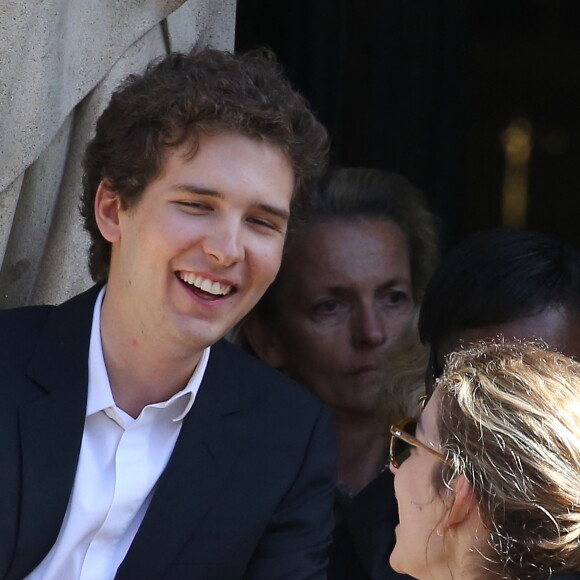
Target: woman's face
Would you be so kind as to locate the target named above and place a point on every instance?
(419, 550)
(345, 297)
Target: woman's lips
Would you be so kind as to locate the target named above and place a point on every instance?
(365, 370)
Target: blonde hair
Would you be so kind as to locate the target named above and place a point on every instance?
(351, 193)
(510, 422)
(404, 390)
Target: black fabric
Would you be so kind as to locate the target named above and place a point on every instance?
(365, 538)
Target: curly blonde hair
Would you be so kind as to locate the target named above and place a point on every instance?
(510, 423)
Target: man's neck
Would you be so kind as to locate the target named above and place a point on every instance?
(142, 371)
(136, 386)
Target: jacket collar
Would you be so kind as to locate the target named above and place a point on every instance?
(200, 466)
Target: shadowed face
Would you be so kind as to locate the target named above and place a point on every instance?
(345, 297)
(555, 326)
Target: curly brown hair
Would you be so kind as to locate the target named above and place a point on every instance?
(178, 98)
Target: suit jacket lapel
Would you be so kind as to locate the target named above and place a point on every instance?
(199, 466)
(51, 428)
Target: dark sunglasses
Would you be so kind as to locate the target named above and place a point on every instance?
(403, 438)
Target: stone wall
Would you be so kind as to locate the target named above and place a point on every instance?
(59, 62)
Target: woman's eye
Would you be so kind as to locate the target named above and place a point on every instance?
(396, 297)
(327, 306)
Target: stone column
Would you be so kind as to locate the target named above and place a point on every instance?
(59, 62)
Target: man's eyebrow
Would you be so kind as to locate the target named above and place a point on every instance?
(198, 190)
(276, 211)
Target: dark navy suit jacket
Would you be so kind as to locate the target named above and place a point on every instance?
(248, 490)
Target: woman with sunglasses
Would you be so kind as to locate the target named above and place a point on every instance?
(488, 479)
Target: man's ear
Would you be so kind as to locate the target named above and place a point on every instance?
(464, 504)
(107, 208)
(263, 340)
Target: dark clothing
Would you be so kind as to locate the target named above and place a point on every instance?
(247, 492)
(363, 541)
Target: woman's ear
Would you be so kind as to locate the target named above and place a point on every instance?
(463, 505)
(107, 208)
(263, 340)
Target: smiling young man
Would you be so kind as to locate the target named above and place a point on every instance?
(136, 442)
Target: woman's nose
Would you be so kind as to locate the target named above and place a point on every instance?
(369, 328)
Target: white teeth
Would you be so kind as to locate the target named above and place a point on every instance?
(204, 284)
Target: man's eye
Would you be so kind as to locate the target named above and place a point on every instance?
(267, 226)
(264, 223)
(194, 205)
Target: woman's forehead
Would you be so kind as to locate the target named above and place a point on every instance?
(341, 251)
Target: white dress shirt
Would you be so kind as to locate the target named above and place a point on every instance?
(120, 461)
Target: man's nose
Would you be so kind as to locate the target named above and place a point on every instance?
(369, 327)
(224, 243)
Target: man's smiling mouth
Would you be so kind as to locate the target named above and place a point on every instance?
(207, 286)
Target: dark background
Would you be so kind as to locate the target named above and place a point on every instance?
(427, 87)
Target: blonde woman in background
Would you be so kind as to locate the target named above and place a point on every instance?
(354, 270)
(488, 479)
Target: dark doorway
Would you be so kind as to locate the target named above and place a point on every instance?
(473, 101)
